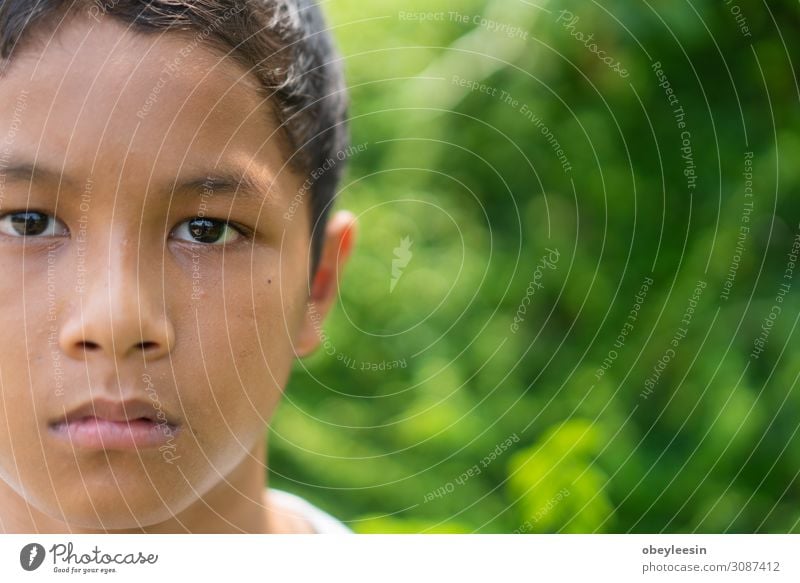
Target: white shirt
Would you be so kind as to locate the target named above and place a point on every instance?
(320, 521)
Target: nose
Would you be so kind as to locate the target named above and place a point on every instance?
(118, 310)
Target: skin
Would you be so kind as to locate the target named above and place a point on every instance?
(108, 298)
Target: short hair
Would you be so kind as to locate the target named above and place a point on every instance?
(284, 43)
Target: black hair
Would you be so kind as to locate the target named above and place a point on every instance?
(285, 43)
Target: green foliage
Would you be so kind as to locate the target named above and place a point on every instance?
(557, 483)
(422, 376)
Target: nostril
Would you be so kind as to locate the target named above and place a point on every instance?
(89, 346)
(84, 345)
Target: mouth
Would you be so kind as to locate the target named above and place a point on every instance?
(115, 425)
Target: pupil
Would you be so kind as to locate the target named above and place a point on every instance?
(205, 231)
(29, 224)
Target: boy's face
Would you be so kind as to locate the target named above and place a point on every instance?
(119, 294)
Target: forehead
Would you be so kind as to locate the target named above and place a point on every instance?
(96, 98)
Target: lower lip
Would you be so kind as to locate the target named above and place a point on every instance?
(94, 433)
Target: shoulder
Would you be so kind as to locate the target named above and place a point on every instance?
(320, 521)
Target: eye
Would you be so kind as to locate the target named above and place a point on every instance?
(32, 224)
(207, 231)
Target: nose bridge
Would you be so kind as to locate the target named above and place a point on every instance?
(119, 309)
(128, 292)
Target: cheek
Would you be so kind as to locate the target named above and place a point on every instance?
(21, 455)
(236, 350)
(33, 372)
(31, 364)
(29, 380)
(260, 340)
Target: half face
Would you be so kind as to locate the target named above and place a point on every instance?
(151, 290)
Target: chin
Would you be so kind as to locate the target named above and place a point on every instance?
(117, 516)
(122, 499)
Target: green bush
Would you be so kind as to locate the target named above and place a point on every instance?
(707, 442)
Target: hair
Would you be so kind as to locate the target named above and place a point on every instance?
(284, 43)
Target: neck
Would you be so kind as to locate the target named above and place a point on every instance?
(237, 504)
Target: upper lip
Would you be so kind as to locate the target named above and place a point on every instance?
(128, 410)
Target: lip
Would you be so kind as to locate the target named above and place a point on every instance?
(115, 425)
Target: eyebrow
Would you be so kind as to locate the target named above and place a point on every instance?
(26, 171)
(227, 182)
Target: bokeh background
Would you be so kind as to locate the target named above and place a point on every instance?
(514, 162)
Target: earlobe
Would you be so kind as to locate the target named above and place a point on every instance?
(336, 249)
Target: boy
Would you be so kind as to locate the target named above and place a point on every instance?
(160, 260)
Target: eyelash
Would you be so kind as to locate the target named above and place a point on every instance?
(241, 230)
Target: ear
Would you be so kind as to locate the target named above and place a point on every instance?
(337, 246)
